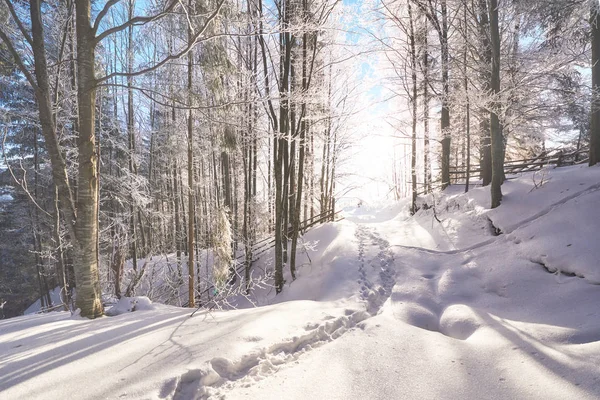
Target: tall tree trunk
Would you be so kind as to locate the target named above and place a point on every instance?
(595, 112)
(496, 127)
(184, 241)
(285, 47)
(413, 101)
(311, 176)
(247, 160)
(118, 262)
(324, 170)
(35, 228)
(278, 219)
(331, 195)
(175, 196)
(445, 118)
(302, 144)
(131, 143)
(285, 195)
(151, 174)
(190, 160)
(298, 205)
(250, 162)
(86, 229)
(468, 105)
(60, 254)
(485, 157)
(431, 12)
(426, 147)
(270, 160)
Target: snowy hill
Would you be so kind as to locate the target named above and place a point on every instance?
(484, 304)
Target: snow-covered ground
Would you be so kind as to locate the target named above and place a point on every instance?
(55, 297)
(391, 307)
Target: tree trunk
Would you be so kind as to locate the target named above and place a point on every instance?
(285, 48)
(426, 147)
(118, 262)
(131, 144)
(445, 118)
(59, 253)
(595, 112)
(441, 27)
(468, 105)
(190, 160)
(496, 127)
(247, 160)
(485, 158)
(86, 229)
(302, 146)
(278, 219)
(413, 101)
(175, 195)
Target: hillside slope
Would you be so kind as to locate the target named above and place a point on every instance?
(391, 306)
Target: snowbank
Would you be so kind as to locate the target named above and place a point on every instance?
(130, 304)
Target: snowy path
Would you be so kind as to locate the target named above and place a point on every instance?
(451, 324)
(376, 280)
(429, 313)
(383, 263)
(222, 374)
(481, 321)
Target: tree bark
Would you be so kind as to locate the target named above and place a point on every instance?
(281, 201)
(468, 105)
(485, 157)
(441, 27)
(495, 125)
(426, 146)
(595, 112)
(131, 144)
(413, 101)
(302, 147)
(190, 160)
(86, 229)
(445, 118)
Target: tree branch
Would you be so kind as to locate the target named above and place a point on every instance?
(170, 101)
(103, 13)
(22, 183)
(193, 41)
(18, 59)
(18, 21)
(134, 21)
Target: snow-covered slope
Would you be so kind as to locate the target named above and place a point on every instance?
(55, 296)
(391, 307)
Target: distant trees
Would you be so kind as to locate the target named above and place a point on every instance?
(175, 127)
(79, 205)
(502, 75)
(572, 32)
(145, 128)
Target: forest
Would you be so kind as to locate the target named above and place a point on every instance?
(191, 131)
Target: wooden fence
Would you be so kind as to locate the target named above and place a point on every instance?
(260, 248)
(560, 158)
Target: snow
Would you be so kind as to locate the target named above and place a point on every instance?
(389, 307)
(55, 296)
(130, 304)
(6, 198)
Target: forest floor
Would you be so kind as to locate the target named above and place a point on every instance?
(458, 301)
